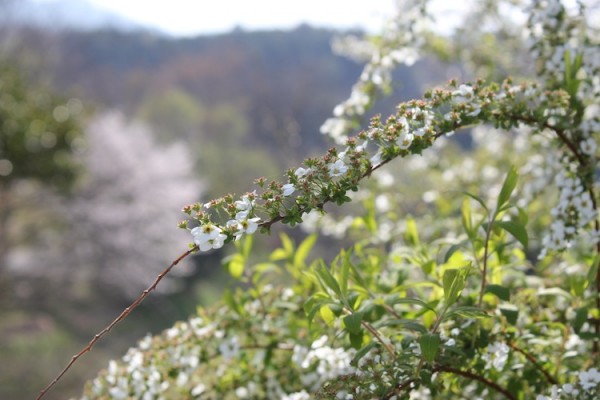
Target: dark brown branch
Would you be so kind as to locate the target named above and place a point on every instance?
(122, 316)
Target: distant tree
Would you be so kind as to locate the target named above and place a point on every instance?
(115, 226)
(38, 133)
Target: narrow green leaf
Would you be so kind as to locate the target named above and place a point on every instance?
(568, 75)
(555, 291)
(477, 199)
(499, 291)
(396, 299)
(344, 272)
(453, 283)
(287, 243)
(430, 345)
(510, 182)
(515, 229)
(327, 315)
(352, 322)
(357, 276)
(246, 245)
(412, 234)
(279, 254)
(326, 279)
(593, 271)
(466, 312)
(303, 250)
(363, 352)
(411, 325)
(467, 218)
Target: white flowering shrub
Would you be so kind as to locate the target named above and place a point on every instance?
(470, 273)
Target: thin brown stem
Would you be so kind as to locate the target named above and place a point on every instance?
(121, 316)
(532, 359)
(475, 377)
(466, 374)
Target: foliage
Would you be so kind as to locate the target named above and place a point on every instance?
(37, 133)
(482, 292)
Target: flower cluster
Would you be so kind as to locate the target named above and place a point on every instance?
(327, 363)
(403, 38)
(586, 387)
(574, 211)
(209, 236)
(496, 355)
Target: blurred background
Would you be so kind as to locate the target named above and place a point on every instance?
(109, 124)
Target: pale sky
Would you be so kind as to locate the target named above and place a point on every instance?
(192, 17)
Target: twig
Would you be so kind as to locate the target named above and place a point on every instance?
(535, 362)
(121, 316)
(466, 374)
(475, 377)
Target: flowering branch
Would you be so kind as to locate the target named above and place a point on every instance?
(415, 127)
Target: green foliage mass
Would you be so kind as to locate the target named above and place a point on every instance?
(37, 132)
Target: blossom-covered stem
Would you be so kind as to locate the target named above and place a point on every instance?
(121, 316)
(367, 173)
(532, 359)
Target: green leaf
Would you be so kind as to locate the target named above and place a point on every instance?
(452, 250)
(396, 299)
(279, 254)
(356, 339)
(363, 352)
(430, 345)
(579, 319)
(303, 250)
(287, 243)
(409, 324)
(352, 322)
(499, 291)
(326, 279)
(511, 313)
(555, 291)
(467, 218)
(593, 271)
(453, 283)
(327, 315)
(466, 312)
(510, 182)
(412, 234)
(344, 272)
(246, 245)
(515, 229)
(236, 266)
(477, 199)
